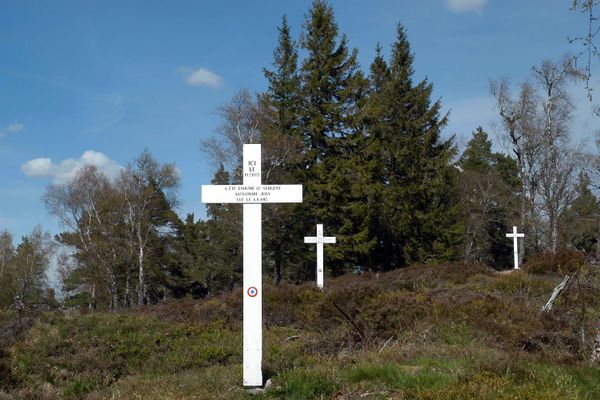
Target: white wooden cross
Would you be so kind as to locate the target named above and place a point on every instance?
(319, 240)
(252, 193)
(515, 237)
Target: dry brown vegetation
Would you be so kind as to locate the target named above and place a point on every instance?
(425, 332)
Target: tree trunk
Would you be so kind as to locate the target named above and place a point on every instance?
(277, 271)
(142, 281)
(553, 232)
(469, 246)
(598, 245)
(595, 358)
(524, 207)
(93, 300)
(114, 291)
(554, 239)
(128, 286)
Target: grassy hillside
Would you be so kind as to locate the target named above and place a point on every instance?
(459, 331)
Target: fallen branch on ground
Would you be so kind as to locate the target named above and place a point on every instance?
(557, 290)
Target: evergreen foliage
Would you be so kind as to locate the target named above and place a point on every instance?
(411, 176)
(580, 223)
(283, 94)
(489, 186)
(333, 90)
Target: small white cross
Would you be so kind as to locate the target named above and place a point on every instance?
(319, 240)
(515, 237)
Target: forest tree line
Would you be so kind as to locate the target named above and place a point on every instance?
(367, 146)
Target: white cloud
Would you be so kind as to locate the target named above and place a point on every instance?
(38, 167)
(66, 170)
(12, 128)
(460, 6)
(202, 77)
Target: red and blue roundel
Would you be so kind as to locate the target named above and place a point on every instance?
(252, 291)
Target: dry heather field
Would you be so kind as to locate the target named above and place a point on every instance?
(451, 331)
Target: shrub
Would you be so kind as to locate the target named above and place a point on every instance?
(563, 262)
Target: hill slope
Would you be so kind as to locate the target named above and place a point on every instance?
(460, 331)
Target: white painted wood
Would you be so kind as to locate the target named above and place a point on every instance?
(312, 239)
(252, 295)
(319, 240)
(252, 272)
(251, 194)
(515, 237)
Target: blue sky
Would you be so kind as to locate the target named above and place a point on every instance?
(98, 82)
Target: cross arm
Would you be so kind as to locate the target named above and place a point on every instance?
(252, 194)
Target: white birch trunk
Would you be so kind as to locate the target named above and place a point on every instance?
(142, 280)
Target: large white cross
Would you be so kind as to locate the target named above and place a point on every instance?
(252, 193)
(319, 240)
(515, 237)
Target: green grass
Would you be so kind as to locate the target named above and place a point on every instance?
(306, 384)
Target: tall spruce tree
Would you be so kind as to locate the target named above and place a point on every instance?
(418, 204)
(332, 91)
(371, 181)
(282, 140)
(332, 85)
(283, 94)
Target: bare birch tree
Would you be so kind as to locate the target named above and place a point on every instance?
(516, 114)
(558, 162)
(149, 190)
(536, 125)
(32, 258)
(89, 208)
(240, 122)
(245, 120)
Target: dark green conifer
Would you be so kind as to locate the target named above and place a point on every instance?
(333, 90)
(580, 225)
(418, 210)
(488, 185)
(224, 227)
(283, 94)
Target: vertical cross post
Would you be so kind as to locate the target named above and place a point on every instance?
(319, 240)
(252, 247)
(515, 237)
